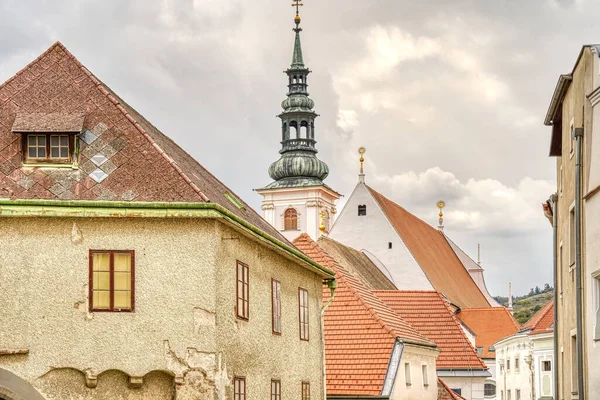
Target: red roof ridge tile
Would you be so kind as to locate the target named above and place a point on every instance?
(101, 87)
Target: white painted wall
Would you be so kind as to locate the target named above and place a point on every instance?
(416, 357)
(373, 232)
(471, 387)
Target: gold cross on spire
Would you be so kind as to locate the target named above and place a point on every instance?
(297, 4)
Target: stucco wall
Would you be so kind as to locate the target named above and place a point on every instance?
(373, 232)
(416, 357)
(184, 321)
(514, 379)
(471, 387)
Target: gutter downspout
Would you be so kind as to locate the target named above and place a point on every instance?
(332, 285)
(578, 135)
(553, 202)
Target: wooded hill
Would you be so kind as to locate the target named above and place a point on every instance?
(525, 306)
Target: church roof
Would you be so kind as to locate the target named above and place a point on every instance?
(122, 156)
(357, 263)
(429, 313)
(360, 330)
(489, 325)
(434, 254)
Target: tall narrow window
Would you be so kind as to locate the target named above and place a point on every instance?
(574, 365)
(111, 280)
(243, 291)
(275, 390)
(517, 394)
(239, 388)
(508, 395)
(305, 390)
(276, 305)
(572, 236)
(596, 303)
(508, 365)
(303, 313)
(362, 210)
(407, 376)
(290, 219)
(517, 365)
(425, 376)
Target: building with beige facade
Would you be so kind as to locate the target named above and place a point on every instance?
(574, 116)
(128, 270)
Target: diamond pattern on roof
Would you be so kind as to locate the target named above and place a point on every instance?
(99, 159)
(98, 175)
(88, 137)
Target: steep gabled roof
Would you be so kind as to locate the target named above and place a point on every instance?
(430, 314)
(490, 325)
(445, 393)
(357, 263)
(541, 321)
(122, 156)
(434, 255)
(360, 331)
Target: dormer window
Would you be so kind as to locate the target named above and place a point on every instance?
(48, 138)
(48, 148)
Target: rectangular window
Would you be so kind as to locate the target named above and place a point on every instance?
(508, 395)
(574, 371)
(112, 280)
(507, 365)
(48, 148)
(425, 376)
(303, 313)
(362, 210)
(407, 376)
(275, 390)
(457, 391)
(276, 305)
(242, 291)
(546, 366)
(560, 181)
(559, 272)
(305, 390)
(596, 302)
(239, 388)
(517, 394)
(517, 364)
(502, 395)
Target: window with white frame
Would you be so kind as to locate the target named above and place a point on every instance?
(425, 375)
(596, 297)
(407, 376)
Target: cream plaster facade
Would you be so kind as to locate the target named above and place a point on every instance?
(183, 340)
(421, 386)
(314, 206)
(522, 372)
(578, 108)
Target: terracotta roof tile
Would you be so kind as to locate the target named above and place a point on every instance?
(122, 156)
(434, 254)
(490, 325)
(542, 321)
(360, 330)
(430, 314)
(445, 393)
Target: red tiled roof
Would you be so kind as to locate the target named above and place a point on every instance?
(541, 321)
(434, 254)
(445, 393)
(429, 313)
(360, 331)
(122, 156)
(490, 325)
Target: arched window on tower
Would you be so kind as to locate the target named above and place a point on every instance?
(294, 130)
(290, 219)
(304, 130)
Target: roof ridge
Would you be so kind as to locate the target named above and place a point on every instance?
(538, 316)
(101, 87)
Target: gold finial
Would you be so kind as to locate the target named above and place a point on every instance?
(441, 204)
(361, 151)
(297, 4)
(322, 226)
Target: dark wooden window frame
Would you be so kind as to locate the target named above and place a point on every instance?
(275, 306)
(290, 219)
(305, 390)
(275, 395)
(112, 272)
(244, 313)
(236, 394)
(48, 159)
(302, 308)
(362, 210)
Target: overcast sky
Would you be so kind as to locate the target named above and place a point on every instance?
(448, 97)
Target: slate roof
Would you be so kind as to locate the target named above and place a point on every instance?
(122, 156)
(357, 263)
(542, 321)
(489, 325)
(429, 313)
(360, 330)
(433, 253)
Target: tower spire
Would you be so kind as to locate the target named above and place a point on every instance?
(298, 58)
(361, 175)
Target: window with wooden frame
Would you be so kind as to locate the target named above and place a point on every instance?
(242, 291)
(48, 148)
(276, 305)
(239, 388)
(275, 389)
(112, 280)
(303, 313)
(305, 390)
(290, 219)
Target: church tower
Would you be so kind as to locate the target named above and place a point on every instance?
(298, 201)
